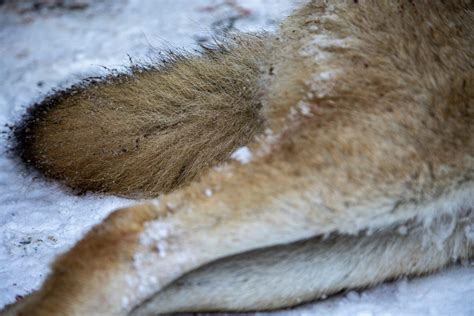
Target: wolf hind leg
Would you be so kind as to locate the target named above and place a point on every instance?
(138, 251)
(288, 275)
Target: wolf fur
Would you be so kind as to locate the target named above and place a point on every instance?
(359, 118)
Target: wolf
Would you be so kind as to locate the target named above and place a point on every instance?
(334, 154)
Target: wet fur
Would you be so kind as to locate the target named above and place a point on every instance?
(363, 135)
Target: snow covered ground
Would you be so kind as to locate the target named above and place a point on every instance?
(47, 48)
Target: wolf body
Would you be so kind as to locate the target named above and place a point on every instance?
(335, 154)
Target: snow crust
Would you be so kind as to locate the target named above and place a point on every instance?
(54, 49)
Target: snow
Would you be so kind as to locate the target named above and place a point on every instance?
(448, 292)
(52, 49)
(242, 154)
(208, 192)
(155, 234)
(304, 108)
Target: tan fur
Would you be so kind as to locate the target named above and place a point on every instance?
(364, 134)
